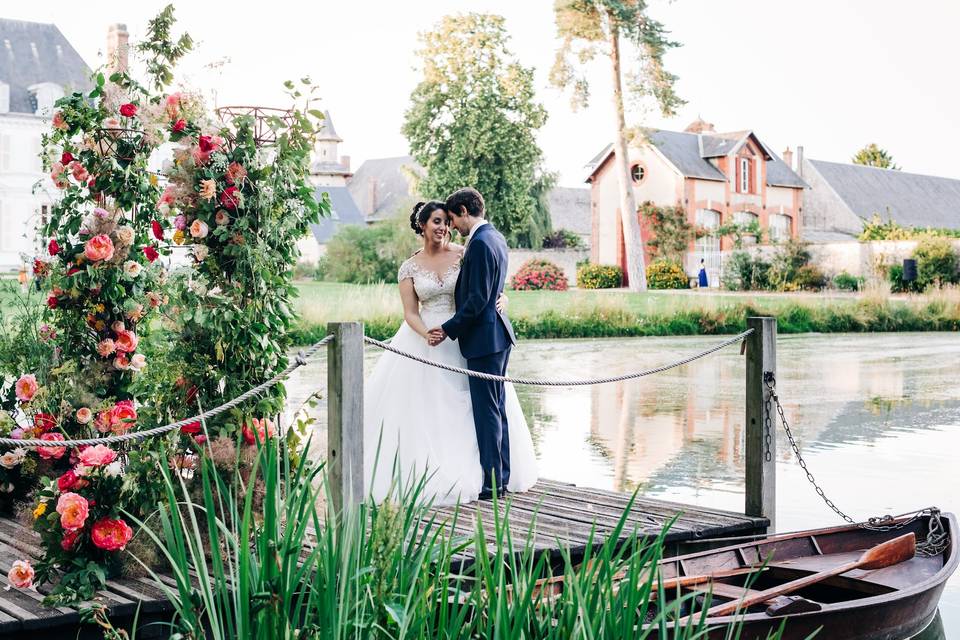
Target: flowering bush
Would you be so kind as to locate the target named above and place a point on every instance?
(666, 274)
(599, 276)
(539, 274)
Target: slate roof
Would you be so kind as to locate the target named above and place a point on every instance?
(343, 211)
(911, 199)
(570, 210)
(689, 153)
(327, 132)
(33, 52)
(381, 186)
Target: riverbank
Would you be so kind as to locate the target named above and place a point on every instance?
(607, 314)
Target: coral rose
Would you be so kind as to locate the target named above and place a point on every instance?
(51, 453)
(126, 341)
(59, 122)
(80, 174)
(98, 248)
(128, 110)
(235, 173)
(230, 198)
(121, 362)
(102, 423)
(199, 229)
(260, 431)
(110, 534)
(97, 456)
(26, 387)
(122, 416)
(20, 574)
(84, 415)
(73, 509)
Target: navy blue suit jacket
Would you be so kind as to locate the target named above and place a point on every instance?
(477, 325)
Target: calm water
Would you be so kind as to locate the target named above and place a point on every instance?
(877, 418)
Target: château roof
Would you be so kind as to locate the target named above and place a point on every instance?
(32, 53)
(382, 185)
(327, 132)
(343, 211)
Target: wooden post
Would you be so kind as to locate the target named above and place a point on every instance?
(761, 444)
(345, 413)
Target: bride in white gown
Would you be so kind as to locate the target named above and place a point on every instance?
(418, 419)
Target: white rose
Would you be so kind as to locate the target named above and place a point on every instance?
(164, 209)
(113, 469)
(138, 361)
(125, 234)
(10, 459)
(132, 268)
(200, 252)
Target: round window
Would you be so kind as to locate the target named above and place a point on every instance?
(638, 172)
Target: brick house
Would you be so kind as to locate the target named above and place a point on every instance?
(717, 178)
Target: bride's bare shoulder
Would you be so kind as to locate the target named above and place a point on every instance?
(455, 248)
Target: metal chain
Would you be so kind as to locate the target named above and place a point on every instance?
(557, 383)
(301, 359)
(937, 537)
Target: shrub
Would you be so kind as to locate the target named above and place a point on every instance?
(599, 276)
(937, 262)
(666, 274)
(562, 239)
(362, 255)
(846, 282)
(539, 274)
(809, 278)
(877, 229)
(745, 273)
(786, 265)
(898, 284)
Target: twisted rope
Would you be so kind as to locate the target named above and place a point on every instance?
(559, 383)
(300, 360)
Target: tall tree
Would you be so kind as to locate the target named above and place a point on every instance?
(873, 156)
(589, 28)
(473, 119)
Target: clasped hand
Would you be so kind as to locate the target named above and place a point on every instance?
(435, 336)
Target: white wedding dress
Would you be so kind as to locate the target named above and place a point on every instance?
(418, 419)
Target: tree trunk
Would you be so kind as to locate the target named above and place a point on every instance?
(633, 243)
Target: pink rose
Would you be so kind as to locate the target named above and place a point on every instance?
(110, 534)
(126, 341)
(199, 229)
(84, 415)
(20, 574)
(26, 387)
(102, 423)
(138, 361)
(221, 217)
(179, 126)
(59, 122)
(121, 362)
(117, 326)
(51, 453)
(99, 248)
(73, 509)
(106, 347)
(260, 431)
(180, 223)
(172, 105)
(97, 456)
(169, 195)
(80, 174)
(122, 416)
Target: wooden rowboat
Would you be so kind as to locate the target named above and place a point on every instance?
(891, 603)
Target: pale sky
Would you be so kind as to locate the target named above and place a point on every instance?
(831, 75)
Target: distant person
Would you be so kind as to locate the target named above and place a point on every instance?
(702, 276)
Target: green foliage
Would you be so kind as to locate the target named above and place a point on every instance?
(672, 232)
(937, 262)
(562, 239)
(739, 232)
(540, 228)
(877, 229)
(473, 120)
(873, 156)
(898, 284)
(539, 274)
(160, 50)
(363, 255)
(666, 274)
(846, 282)
(743, 272)
(599, 276)
(791, 269)
(586, 29)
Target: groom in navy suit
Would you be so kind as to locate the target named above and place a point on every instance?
(485, 334)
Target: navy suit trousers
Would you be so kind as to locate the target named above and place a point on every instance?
(490, 419)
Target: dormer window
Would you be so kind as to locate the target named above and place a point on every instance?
(45, 94)
(745, 171)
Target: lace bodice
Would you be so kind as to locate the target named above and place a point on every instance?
(435, 293)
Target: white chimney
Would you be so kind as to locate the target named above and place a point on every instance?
(800, 160)
(117, 48)
(345, 161)
(788, 157)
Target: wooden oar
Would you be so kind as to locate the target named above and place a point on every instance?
(883, 555)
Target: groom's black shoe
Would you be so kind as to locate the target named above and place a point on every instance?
(487, 494)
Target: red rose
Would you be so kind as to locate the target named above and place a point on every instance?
(110, 534)
(39, 267)
(230, 198)
(52, 302)
(73, 270)
(70, 538)
(206, 144)
(179, 125)
(191, 428)
(191, 394)
(151, 253)
(128, 110)
(67, 481)
(43, 422)
(53, 248)
(157, 230)
(66, 158)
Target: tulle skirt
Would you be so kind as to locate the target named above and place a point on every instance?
(419, 431)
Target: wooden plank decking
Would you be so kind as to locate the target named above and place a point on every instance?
(564, 515)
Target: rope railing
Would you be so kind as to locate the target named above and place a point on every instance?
(300, 360)
(558, 383)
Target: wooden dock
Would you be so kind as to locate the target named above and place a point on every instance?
(561, 515)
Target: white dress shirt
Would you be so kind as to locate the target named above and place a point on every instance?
(473, 231)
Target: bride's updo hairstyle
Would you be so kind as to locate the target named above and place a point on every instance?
(422, 212)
